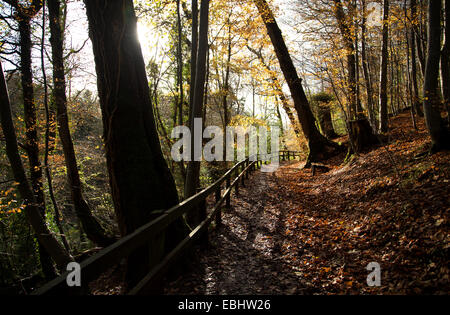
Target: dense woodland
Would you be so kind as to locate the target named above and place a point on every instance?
(91, 91)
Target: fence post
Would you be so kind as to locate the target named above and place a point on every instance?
(219, 211)
(236, 185)
(247, 170)
(228, 201)
(203, 214)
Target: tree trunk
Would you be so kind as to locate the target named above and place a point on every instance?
(278, 89)
(418, 28)
(431, 106)
(140, 180)
(359, 109)
(445, 61)
(367, 80)
(91, 226)
(32, 210)
(180, 66)
(409, 87)
(31, 134)
(194, 49)
(383, 102)
(226, 89)
(345, 24)
(193, 169)
(347, 37)
(415, 86)
(361, 134)
(319, 146)
(57, 217)
(326, 123)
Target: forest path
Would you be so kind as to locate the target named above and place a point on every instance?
(290, 232)
(244, 255)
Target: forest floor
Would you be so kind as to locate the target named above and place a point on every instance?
(290, 232)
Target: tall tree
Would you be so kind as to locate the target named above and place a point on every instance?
(32, 207)
(418, 28)
(226, 83)
(180, 65)
(23, 16)
(383, 101)
(365, 66)
(413, 37)
(194, 49)
(139, 176)
(193, 169)
(278, 89)
(319, 146)
(49, 118)
(361, 133)
(345, 27)
(440, 137)
(91, 226)
(445, 60)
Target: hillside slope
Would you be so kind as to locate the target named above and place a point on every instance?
(295, 233)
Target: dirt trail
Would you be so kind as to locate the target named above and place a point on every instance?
(245, 256)
(293, 233)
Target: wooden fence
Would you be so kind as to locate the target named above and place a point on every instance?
(94, 266)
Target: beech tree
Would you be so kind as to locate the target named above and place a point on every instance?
(345, 27)
(383, 101)
(445, 60)
(361, 133)
(413, 40)
(23, 16)
(33, 209)
(140, 180)
(439, 133)
(91, 226)
(365, 66)
(196, 110)
(278, 89)
(319, 146)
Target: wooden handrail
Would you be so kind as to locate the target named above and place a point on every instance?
(93, 266)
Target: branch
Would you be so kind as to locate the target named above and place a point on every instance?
(76, 51)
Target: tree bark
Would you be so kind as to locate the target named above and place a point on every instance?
(48, 137)
(32, 208)
(193, 169)
(24, 16)
(140, 179)
(420, 35)
(277, 86)
(194, 49)
(345, 24)
(445, 61)
(226, 83)
(180, 66)
(431, 106)
(383, 101)
(91, 226)
(319, 146)
(347, 37)
(326, 123)
(365, 66)
(415, 86)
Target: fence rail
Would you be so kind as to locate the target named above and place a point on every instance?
(95, 265)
